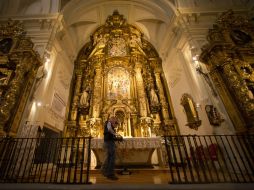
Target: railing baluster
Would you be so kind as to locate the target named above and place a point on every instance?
(65, 160)
(88, 161)
(21, 162)
(211, 160)
(228, 156)
(70, 160)
(246, 156)
(50, 144)
(59, 156)
(234, 159)
(249, 143)
(169, 157)
(82, 159)
(182, 159)
(218, 153)
(241, 158)
(13, 158)
(43, 156)
(76, 160)
(236, 165)
(27, 160)
(36, 157)
(205, 160)
(188, 160)
(195, 159)
(191, 159)
(200, 157)
(175, 160)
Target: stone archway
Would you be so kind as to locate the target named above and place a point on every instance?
(122, 128)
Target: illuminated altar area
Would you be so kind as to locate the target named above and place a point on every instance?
(119, 73)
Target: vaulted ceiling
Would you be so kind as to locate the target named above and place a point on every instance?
(162, 21)
(159, 20)
(152, 17)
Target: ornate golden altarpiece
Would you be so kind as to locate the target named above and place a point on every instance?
(18, 67)
(229, 57)
(119, 73)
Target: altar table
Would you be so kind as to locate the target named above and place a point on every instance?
(132, 152)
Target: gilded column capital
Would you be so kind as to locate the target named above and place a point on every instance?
(98, 59)
(138, 58)
(98, 71)
(97, 65)
(138, 67)
(157, 71)
(78, 72)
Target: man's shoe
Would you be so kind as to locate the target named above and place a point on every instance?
(113, 177)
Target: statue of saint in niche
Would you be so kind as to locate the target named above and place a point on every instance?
(83, 102)
(153, 97)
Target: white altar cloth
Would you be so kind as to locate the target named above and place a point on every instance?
(131, 143)
(134, 151)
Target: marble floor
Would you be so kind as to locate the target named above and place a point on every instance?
(135, 176)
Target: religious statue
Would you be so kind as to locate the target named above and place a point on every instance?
(84, 98)
(153, 97)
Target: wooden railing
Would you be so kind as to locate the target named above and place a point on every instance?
(210, 158)
(45, 160)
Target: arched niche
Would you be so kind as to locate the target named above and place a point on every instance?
(191, 112)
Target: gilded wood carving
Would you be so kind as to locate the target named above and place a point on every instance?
(191, 112)
(230, 60)
(123, 74)
(18, 67)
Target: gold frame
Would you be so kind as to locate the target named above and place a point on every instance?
(190, 109)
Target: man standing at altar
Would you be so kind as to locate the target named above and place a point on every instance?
(110, 149)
